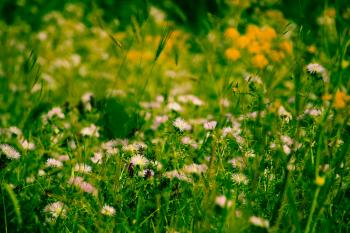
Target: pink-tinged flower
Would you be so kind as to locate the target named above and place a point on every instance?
(223, 202)
(260, 222)
(9, 151)
(56, 111)
(53, 163)
(210, 125)
(88, 188)
(108, 210)
(182, 125)
(56, 209)
(91, 131)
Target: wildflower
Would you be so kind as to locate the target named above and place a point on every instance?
(232, 54)
(88, 188)
(82, 167)
(317, 69)
(86, 99)
(210, 125)
(320, 180)
(63, 158)
(53, 163)
(27, 145)
(286, 149)
(287, 140)
(56, 111)
(147, 173)
(286, 46)
(91, 131)
(174, 106)
(260, 61)
(56, 209)
(260, 222)
(41, 172)
(182, 125)
(9, 151)
(240, 178)
(108, 210)
(222, 201)
(77, 180)
(14, 130)
(179, 175)
(139, 160)
(231, 33)
(97, 158)
(225, 102)
(340, 99)
(237, 162)
(282, 112)
(195, 168)
(159, 120)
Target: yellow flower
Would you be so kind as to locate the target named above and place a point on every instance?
(265, 46)
(253, 31)
(243, 41)
(254, 47)
(232, 54)
(340, 99)
(330, 12)
(232, 33)
(268, 34)
(276, 55)
(286, 46)
(260, 61)
(320, 180)
(312, 49)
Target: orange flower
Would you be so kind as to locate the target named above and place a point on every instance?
(286, 46)
(243, 41)
(276, 55)
(268, 34)
(232, 54)
(260, 61)
(254, 47)
(231, 33)
(340, 99)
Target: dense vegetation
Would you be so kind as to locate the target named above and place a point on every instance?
(174, 116)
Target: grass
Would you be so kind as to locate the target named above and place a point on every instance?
(158, 129)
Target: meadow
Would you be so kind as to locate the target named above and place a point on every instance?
(175, 117)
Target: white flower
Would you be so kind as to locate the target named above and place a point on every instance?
(108, 210)
(9, 151)
(176, 174)
(222, 201)
(195, 168)
(91, 131)
(15, 130)
(210, 125)
(314, 68)
(82, 167)
(53, 163)
(56, 209)
(139, 160)
(284, 113)
(260, 222)
(225, 102)
(240, 178)
(182, 125)
(56, 111)
(174, 106)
